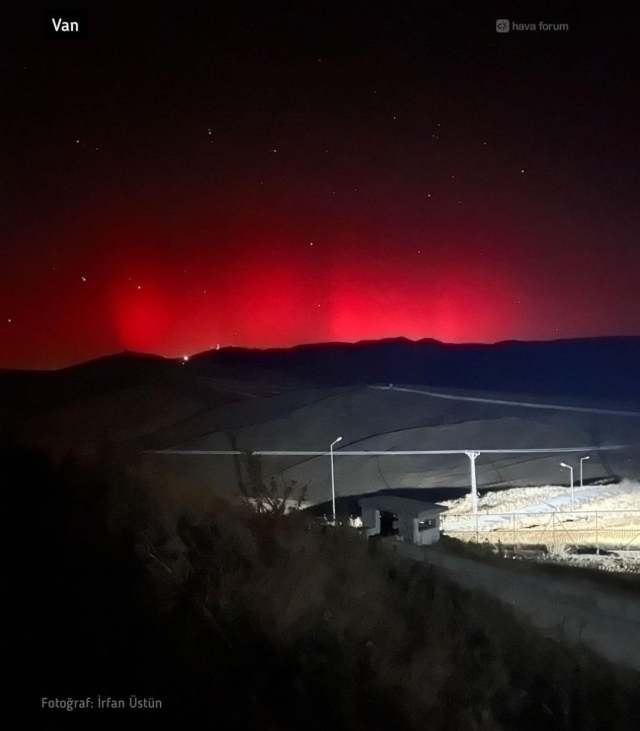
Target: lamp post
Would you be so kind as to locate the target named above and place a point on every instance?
(333, 481)
(582, 459)
(570, 468)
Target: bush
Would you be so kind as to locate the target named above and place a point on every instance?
(264, 622)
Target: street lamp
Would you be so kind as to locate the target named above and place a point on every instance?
(333, 481)
(570, 468)
(582, 459)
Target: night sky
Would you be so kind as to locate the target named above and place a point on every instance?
(269, 174)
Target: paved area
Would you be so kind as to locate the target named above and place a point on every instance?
(606, 621)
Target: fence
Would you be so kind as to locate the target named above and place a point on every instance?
(604, 529)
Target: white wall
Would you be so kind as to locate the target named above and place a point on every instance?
(427, 537)
(371, 521)
(407, 527)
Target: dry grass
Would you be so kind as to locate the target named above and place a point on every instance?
(243, 619)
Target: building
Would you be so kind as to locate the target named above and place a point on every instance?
(414, 521)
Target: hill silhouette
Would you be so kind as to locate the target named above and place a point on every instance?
(593, 367)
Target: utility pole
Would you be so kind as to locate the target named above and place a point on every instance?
(474, 488)
(333, 481)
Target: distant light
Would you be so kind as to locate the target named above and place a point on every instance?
(185, 357)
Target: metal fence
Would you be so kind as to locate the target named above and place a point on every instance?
(602, 529)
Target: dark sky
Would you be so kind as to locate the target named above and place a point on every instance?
(269, 174)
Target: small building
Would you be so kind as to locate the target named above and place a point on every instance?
(414, 521)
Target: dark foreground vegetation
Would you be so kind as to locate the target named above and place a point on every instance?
(244, 620)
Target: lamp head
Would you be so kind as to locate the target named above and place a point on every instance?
(562, 464)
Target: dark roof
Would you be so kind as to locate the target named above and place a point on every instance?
(400, 505)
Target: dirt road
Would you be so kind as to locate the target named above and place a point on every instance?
(606, 621)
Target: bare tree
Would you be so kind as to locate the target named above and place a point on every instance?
(267, 495)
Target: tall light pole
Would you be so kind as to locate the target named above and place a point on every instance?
(474, 488)
(333, 481)
(582, 459)
(570, 468)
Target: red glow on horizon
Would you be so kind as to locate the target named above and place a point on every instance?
(261, 291)
(140, 317)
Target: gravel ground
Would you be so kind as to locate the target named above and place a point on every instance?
(565, 610)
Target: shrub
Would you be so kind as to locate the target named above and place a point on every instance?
(257, 620)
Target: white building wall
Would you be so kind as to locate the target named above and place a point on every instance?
(431, 535)
(406, 529)
(371, 521)
(427, 537)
